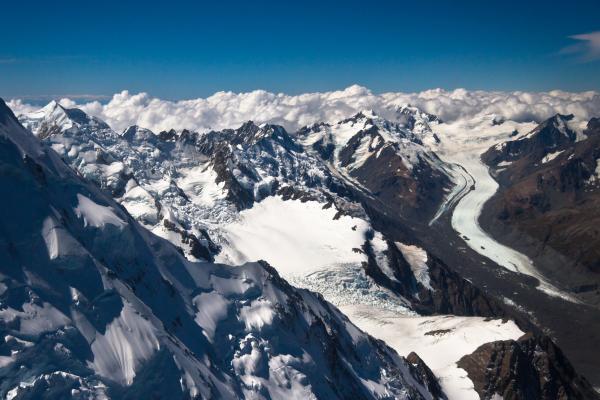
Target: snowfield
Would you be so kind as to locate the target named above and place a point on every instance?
(96, 215)
(297, 237)
(129, 341)
(417, 259)
(311, 249)
(439, 340)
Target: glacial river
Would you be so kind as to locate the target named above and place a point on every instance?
(475, 186)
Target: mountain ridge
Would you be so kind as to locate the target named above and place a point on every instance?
(255, 163)
(127, 306)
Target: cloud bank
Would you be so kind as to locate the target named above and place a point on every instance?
(229, 110)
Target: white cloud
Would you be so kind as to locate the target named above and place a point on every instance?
(18, 107)
(230, 110)
(587, 48)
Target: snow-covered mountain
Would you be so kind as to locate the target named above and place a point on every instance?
(549, 193)
(387, 159)
(235, 193)
(335, 208)
(54, 118)
(92, 305)
(183, 186)
(547, 138)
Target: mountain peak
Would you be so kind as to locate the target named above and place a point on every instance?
(250, 134)
(555, 127)
(52, 105)
(363, 115)
(54, 118)
(564, 117)
(369, 113)
(593, 125)
(135, 131)
(409, 109)
(551, 136)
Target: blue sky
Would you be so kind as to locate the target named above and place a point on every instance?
(175, 49)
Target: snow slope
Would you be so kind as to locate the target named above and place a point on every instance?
(367, 134)
(439, 340)
(298, 237)
(310, 248)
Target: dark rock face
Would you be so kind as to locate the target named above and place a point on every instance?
(593, 127)
(549, 198)
(202, 248)
(413, 192)
(404, 284)
(532, 367)
(454, 295)
(551, 135)
(451, 293)
(236, 193)
(79, 117)
(375, 143)
(167, 135)
(424, 375)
